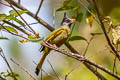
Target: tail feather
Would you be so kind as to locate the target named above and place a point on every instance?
(37, 71)
(39, 66)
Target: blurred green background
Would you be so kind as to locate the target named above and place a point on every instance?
(26, 53)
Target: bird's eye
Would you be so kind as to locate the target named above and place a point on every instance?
(67, 21)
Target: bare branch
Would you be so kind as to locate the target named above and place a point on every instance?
(53, 70)
(22, 68)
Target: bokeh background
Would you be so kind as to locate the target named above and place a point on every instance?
(28, 53)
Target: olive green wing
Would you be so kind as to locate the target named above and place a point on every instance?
(54, 34)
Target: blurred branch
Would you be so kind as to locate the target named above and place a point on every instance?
(104, 30)
(22, 68)
(4, 4)
(88, 45)
(66, 76)
(3, 56)
(53, 70)
(80, 58)
(41, 2)
(2, 78)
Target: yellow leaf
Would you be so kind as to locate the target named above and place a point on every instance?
(90, 20)
(22, 41)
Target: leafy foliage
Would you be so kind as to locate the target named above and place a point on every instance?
(2, 17)
(14, 13)
(12, 16)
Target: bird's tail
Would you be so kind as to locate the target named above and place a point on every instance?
(37, 70)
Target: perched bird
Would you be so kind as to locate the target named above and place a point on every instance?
(57, 37)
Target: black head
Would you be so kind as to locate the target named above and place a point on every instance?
(66, 21)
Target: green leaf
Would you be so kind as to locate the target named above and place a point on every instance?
(3, 72)
(88, 14)
(9, 17)
(12, 74)
(96, 33)
(63, 8)
(79, 17)
(92, 10)
(18, 21)
(31, 37)
(75, 8)
(4, 38)
(73, 38)
(118, 42)
(13, 12)
(2, 17)
(10, 29)
(38, 40)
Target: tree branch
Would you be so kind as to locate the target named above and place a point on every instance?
(80, 58)
(104, 30)
(32, 15)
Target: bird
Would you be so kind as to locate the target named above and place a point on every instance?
(57, 37)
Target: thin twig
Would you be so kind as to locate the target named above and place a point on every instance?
(88, 45)
(41, 75)
(53, 70)
(4, 4)
(41, 2)
(54, 14)
(22, 68)
(114, 65)
(3, 56)
(66, 76)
